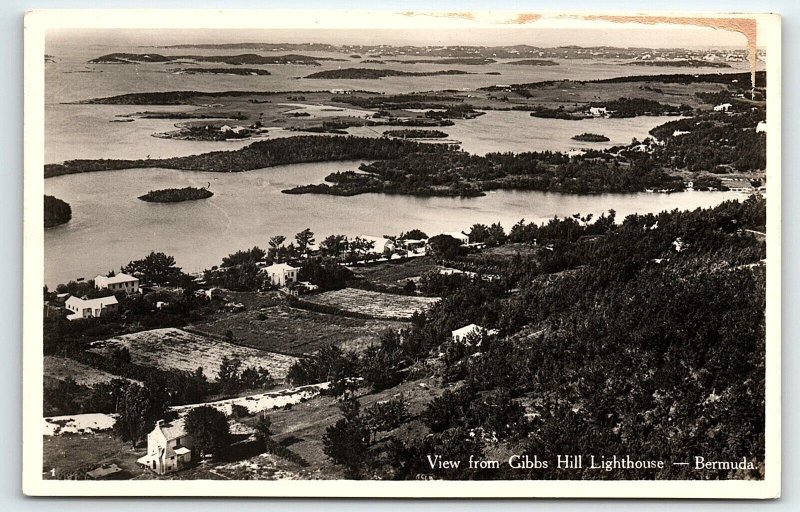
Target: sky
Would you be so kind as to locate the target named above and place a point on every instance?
(544, 33)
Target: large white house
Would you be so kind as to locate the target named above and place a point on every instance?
(119, 282)
(380, 244)
(464, 334)
(89, 308)
(281, 274)
(169, 448)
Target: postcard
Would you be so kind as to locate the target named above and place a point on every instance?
(402, 254)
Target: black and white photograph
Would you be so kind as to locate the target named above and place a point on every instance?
(291, 253)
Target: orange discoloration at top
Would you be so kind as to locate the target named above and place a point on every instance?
(522, 18)
(745, 26)
(462, 15)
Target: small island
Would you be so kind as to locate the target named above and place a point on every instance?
(416, 134)
(176, 195)
(533, 62)
(56, 212)
(591, 137)
(375, 74)
(221, 71)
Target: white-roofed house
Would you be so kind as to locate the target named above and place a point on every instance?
(282, 274)
(723, 107)
(380, 244)
(169, 447)
(90, 308)
(118, 282)
(464, 334)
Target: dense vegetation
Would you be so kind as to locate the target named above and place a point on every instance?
(533, 62)
(176, 195)
(56, 211)
(591, 137)
(416, 134)
(260, 154)
(645, 337)
(374, 74)
(223, 71)
(455, 173)
(621, 108)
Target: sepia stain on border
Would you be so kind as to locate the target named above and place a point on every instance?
(524, 17)
(745, 26)
(455, 15)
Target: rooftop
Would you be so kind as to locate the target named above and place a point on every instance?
(119, 278)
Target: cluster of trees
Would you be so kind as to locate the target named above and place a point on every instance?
(233, 379)
(176, 195)
(710, 140)
(456, 173)
(56, 211)
(260, 154)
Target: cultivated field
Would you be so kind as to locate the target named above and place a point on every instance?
(295, 331)
(395, 274)
(175, 349)
(374, 304)
(62, 368)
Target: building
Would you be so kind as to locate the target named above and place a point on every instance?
(463, 334)
(119, 282)
(90, 308)
(281, 274)
(598, 111)
(458, 235)
(169, 448)
(380, 245)
(723, 107)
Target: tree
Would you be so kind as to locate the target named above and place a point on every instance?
(479, 233)
(495, 235)
(333, 245)
(325, 273)
(414, 234)
(444, 246)
(346, 443)
(275, 243)
(263, 428)
(229, 378)
(137, 410)
(304, 239)
(155, 268)
(252, 256)
(209, 430)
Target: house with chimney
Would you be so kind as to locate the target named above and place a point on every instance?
(169, 448)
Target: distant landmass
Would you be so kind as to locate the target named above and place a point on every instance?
(235, 60)
(533, 62)
(374, 74)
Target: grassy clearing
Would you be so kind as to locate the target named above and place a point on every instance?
(62, 368)
(76, 454)
(374, 304)
(295, 331)
(301, 427)
(395, 274)
(175, 349)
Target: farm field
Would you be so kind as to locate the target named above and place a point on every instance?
(374, 304)
(62, 368)
(395, 274)
(295, 331)
(175, 349)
